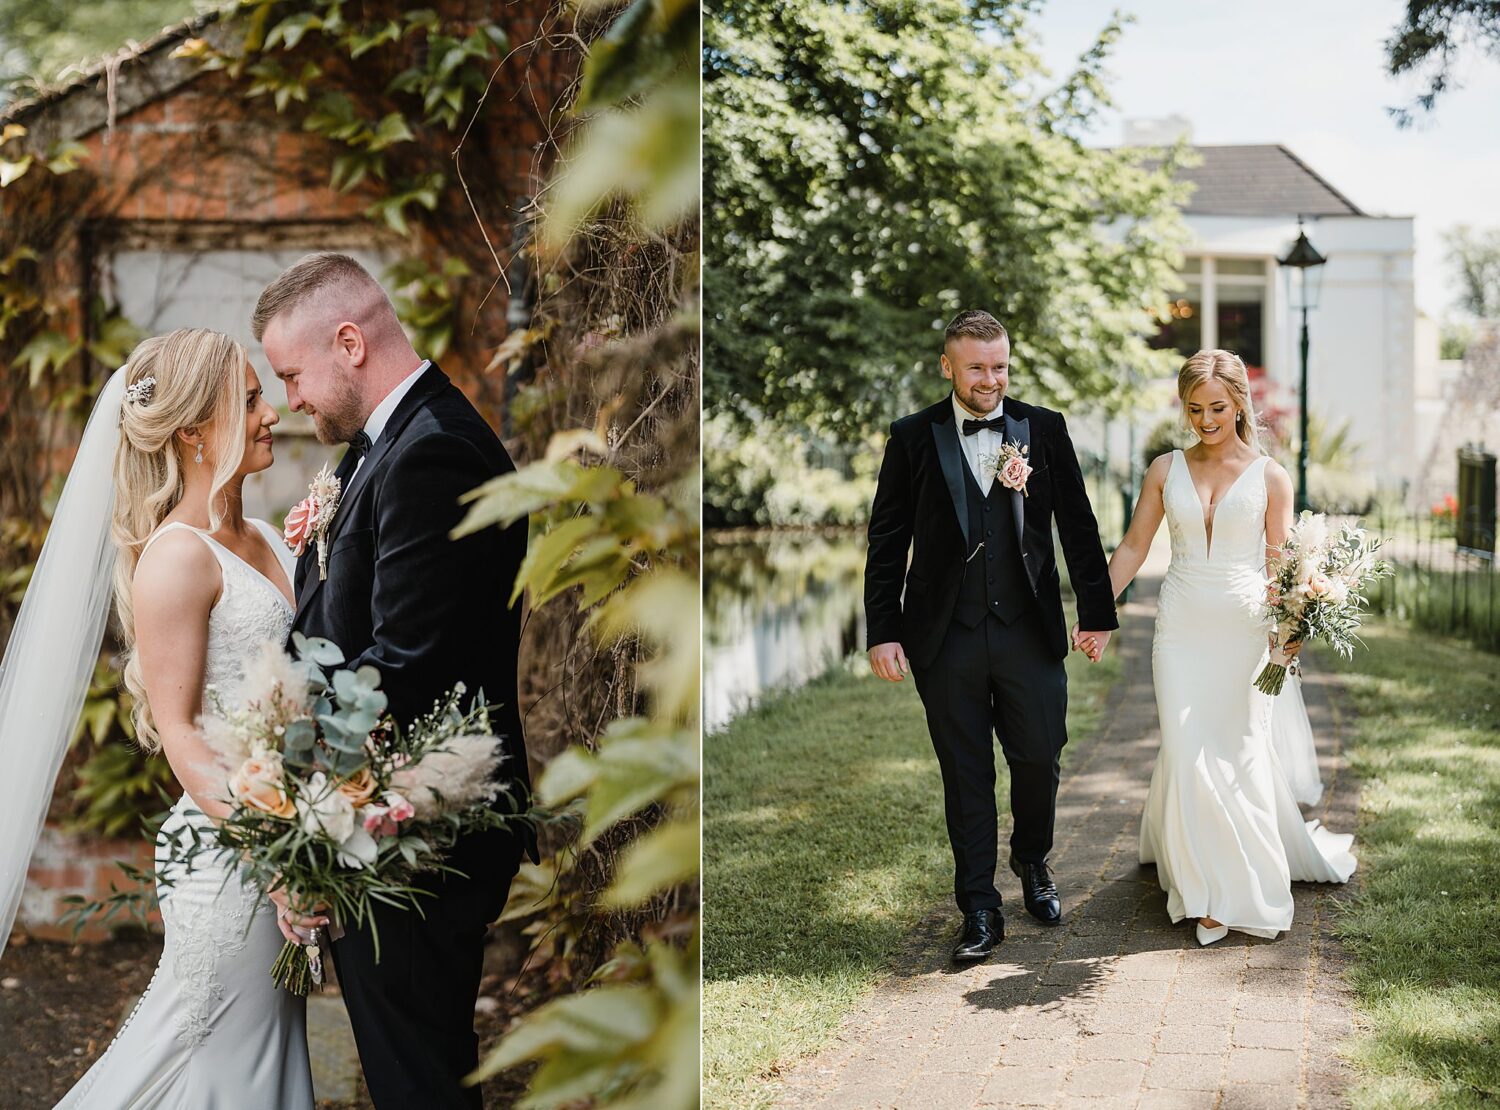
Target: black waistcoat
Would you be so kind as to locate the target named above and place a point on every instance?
(994, 580)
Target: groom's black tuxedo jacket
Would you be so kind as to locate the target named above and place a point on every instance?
(425, 610)
(920, 508)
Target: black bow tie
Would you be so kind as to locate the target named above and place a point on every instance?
(359, 446)
(971, 427)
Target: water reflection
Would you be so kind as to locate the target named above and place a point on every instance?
(779, 609)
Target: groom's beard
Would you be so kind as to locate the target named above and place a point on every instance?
(339, 420)
(974, 403)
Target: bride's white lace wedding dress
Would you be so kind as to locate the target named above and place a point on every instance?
(1221, 821)
(212, 1032)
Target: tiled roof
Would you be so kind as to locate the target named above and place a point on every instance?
(1260, 181)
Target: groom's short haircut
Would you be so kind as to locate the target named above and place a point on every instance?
(974, 323)
(327, 279)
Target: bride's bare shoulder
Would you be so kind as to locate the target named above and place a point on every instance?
(1278, 481)
(1156, 473)
(176, 569)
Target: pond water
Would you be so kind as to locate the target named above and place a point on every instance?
(779, 609)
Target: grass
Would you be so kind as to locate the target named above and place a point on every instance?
(824, 846)
(1424, 930)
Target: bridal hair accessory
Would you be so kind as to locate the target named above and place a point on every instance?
(142, 391)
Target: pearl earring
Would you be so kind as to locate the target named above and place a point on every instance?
(198, 458)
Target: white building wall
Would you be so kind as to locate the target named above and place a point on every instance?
(1362, 351)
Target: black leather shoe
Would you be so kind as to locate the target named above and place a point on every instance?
(983, 930)
(1040, 891)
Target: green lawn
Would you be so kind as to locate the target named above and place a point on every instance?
(823, 846)
(1425, 929)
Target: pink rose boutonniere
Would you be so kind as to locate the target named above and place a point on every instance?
(1010, 466)
(311, 518)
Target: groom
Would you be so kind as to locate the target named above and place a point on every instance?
(978, 617)
(428, 612)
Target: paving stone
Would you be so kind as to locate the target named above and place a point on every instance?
(1263, 1065)
(1185, 1072)
(1259, 1008)
(1193, 1038)
(1142, 991)
(1115, 1046)
(1259, 1096)
(943, 1088)
(1125, 1017)
(1267, 1034)
(1029, 1086)
(1111, 1077)
(1166, 1099)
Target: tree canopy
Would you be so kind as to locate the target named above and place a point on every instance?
(1429, 40)
(1475, 254)
(873, 167)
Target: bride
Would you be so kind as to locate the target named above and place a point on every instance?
(197, 589)
(1221, 821)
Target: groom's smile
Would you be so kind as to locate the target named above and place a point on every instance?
(979, 370)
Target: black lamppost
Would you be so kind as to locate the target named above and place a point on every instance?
(1304, 264)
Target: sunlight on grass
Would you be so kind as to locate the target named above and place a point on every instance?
(1425, 929)
(823, 846)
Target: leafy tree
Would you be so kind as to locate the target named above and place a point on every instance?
(1475, 254)
(1429, 41)
(38, 39)
(874, 167)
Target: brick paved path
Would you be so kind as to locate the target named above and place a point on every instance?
(1117, 1007)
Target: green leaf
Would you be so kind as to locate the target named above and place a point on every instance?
(47, 351)
(290, 30)
(569, 775)
(547, 555)
(627, 60)
(648, 154)
(510, 497)
(391, 130)
(604, 1019)
(665, 857)
(64, 157)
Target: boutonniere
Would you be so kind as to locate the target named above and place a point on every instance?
(1010, 466)
(311, 518)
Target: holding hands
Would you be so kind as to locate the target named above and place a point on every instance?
(1091, 644)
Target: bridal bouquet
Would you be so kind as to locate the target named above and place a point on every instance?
(331, 801)
(1318, 578)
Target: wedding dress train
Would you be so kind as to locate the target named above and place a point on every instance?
(1221, 821)
(212, 1032)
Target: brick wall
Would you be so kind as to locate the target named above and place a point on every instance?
(68, 863)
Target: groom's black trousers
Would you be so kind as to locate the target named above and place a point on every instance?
(413, 1011)
(995, 679)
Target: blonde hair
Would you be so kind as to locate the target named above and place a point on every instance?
(197, 381)
(1228, 370)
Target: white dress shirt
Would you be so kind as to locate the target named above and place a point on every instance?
(382, 414)
(986, 441)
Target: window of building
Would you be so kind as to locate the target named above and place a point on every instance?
(1221, 302)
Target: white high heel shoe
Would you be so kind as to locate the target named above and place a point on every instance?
(1207, 936)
